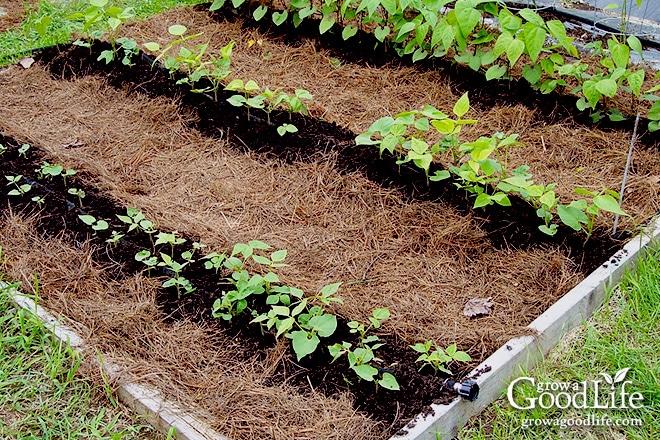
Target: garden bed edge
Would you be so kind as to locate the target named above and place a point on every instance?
(521, 354)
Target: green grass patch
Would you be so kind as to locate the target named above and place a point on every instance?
(625, 333)
(42, 395)
(21, 40)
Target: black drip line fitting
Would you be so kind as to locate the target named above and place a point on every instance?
(468, 390)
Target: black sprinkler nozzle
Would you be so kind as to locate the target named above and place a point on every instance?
(468, 390)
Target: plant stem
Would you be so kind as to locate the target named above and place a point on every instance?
(625, 173)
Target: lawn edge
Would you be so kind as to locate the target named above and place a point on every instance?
(142, 398)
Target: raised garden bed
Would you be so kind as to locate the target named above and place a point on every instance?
(343, 213)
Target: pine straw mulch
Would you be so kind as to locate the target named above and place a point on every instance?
(198, 367)
(14, 12)
(423, 260)
(355, 94)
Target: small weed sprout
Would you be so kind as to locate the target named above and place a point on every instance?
(19, 189)
(22, 150)
(2, 150)
(438, 359)
(97, 225)
(78, 193)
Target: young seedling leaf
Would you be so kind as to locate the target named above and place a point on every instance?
(389, 381)
(462, 106)
(177, 30)
(304, 343)
(366, 372)
(608, 203)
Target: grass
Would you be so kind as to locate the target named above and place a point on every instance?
(21, 40)
(42, 395)
(625, 333)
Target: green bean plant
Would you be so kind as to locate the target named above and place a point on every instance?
(96, 224)
(2, 150)
(22, 150)
(48, 171)
(171, 63)
(405, 136)
(78, 193)
(362, 357)
(438, 359)
(136, 220)
(19, 188)
(100, 18)
(245, 285)
(38, 200)
(269, 100)
(300, 318)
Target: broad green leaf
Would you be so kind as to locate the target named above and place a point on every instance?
(326, 23)
(278, 256)
(462, 105)
(514, 51)
(382, 125)
(280, 17)
(236, 100)
(572, 217)
(422, 161)
(591, 92)
(381, 313)
(440, 175)
(636, 45)
(444, 126)
(419, 55)
(608, 203)
(509, 21)
(607, 87)
(237, 3)
(177, 30)
(381, 32)
(534, 39)
(87, 219)
(532, 17)
(98, 3)
(552, 230)
(325, 325)
(389, 381)
(482, 200)
(217, 4)
(303, 343)
(330, 289)
(389, 6)
(366, 372)
(259, 13)
(406, 29)
(467, 17)
(502, 43)
(495, 71)
(654, 112)
(532, 74)
(461, 356)
(348, 32)
(620, 53)
(636, 80)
